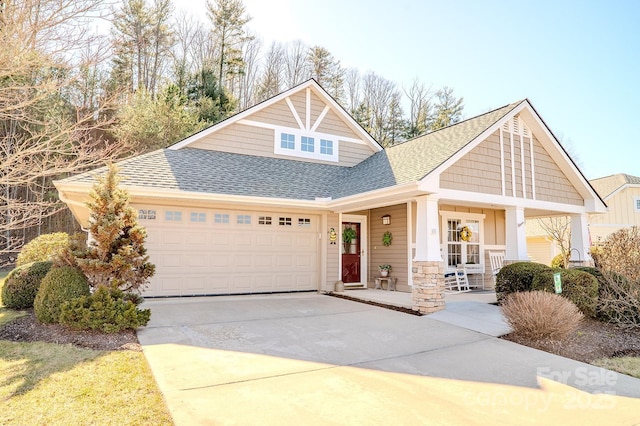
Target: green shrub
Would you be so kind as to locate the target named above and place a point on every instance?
(541, 315)
(58, 286)
(578, 286)
(516, 277)
(21, 285)
(105, 310)
(43, 248)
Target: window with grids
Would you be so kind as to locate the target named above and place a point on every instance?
(284, 221)
(637, 203)
(264, 220)
(304, 221)
(221, 218)
(287, 141)
(173, 216)
(198, 217)
(147, 214)
(326, 147)
(243, 219)
(460, 251)
(306, 144)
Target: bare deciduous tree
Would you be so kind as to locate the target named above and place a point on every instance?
(558, 229)
(49, 127)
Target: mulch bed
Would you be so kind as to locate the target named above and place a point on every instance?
(28, 329)
(591, 341)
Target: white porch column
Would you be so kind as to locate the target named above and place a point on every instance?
(427, 267)
(427, 230)
(516, 250)
(580, 240)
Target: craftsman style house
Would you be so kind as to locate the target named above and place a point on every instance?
(259, 202)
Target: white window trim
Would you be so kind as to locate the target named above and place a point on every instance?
(444, 217)
(635, 204)
(297, 150)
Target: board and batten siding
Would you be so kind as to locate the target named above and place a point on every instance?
(621, 214)
(511, 172)
(395, 254)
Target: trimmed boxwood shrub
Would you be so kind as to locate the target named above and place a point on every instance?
(106, 310)
(58, 286)
(578, 286)
(516, 277)
(21, 286)
(43, 248)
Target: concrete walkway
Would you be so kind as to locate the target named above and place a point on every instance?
(314, 359)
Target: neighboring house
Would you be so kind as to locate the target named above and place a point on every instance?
(258, 202)
(621, 193)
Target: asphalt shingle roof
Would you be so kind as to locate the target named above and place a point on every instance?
(605, 186)
(216, 172)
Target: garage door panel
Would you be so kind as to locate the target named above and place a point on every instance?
(264, 261)
(284, 241)
(225, 258)
(306, 242)
(197, 239)
(264, 282)
(242, 282)
(241, 261)
(265, 241)
(198, 260)
(305, 262)
(220, 239)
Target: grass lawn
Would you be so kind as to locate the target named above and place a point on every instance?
(46, 383)
(628, 365)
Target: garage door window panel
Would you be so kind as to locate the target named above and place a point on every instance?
(147, 214)
(221, 218)
(173, 216)
(198, 217)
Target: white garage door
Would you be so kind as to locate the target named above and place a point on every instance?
(202, 252)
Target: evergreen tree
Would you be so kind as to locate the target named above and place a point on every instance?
(229, 18)
(448, 109)
(115, 256)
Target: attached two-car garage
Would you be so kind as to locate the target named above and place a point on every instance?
(207, 252)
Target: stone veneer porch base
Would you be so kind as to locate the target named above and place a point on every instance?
(428, 286)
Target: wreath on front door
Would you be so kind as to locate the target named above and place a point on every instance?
(465, 233)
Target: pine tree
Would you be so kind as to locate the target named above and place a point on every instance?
(116, 255)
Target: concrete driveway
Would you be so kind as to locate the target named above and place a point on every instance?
(315, 359)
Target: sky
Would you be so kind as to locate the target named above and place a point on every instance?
(578, 62)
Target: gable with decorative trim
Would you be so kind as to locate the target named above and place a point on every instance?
(511, 162)
(302, 125)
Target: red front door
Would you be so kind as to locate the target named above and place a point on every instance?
(351, 253)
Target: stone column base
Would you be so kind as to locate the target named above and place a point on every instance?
(428, 286)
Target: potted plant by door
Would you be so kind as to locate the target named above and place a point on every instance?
(348, 236)
(384, 270)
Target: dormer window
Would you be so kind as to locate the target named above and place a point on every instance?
(306, 144)
(326, 147)
(287, 141)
